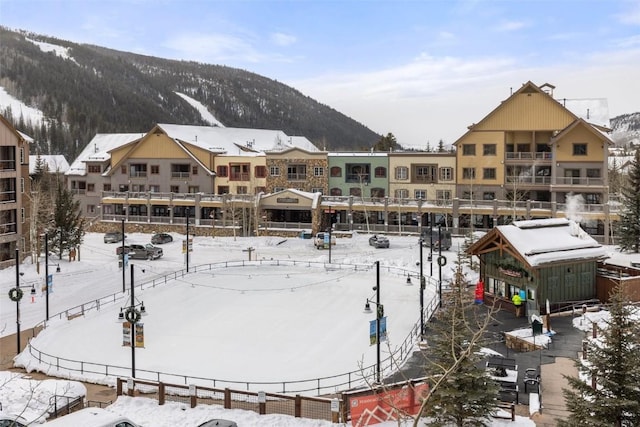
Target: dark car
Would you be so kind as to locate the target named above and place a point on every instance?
(379, 241)
(434, 238)
(113, 237)
(160, 238)
(218, 423)
(136, 251)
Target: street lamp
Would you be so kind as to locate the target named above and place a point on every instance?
(124, 265)
(379, 316)
(187, 213)
(132, 315)
(422, 286)
(15, 294)
(46, 272)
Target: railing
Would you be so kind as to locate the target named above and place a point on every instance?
(318, 386)
(296, 176)
(239, 176)
(8, 197)
(138, 174)
(179, 174)
(570, 180)
(531, 180)
(7, 165)
(529, 155)
(357, 178)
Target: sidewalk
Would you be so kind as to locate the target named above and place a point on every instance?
(8, 346)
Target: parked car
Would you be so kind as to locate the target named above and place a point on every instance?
(218, 423)
(379, 241)
(319, 240)
(94, 417)
(136, 251)
(445, 235)
(113, 237)
(11, 420)
(160, 238)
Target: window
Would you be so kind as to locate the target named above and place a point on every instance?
(380, 172)
(420, 194)
(317, 190)
(318, 171)
(355, 191)
(522, 148)
(335, 192)
(123, 169)
(194, 170)
(154, 188)
(402, 172)
(22, 216)
(489, 173)
(193, 189)
(241, 189)
(336, 171)
(278, 189)
(239, 172)
(401, 194)
(91, 188)
(180, 170)
(91, 209)
(274, 171)
(489, 195)
(106, 186)
(137, 170)
(468, 149)
(468, 173)
(155, 169)
(174, 189)
(222, 171)
(260, 171)
(489, 149)
(468, 195)
(260, 189)
(123, 187)
(593, 173)
(358, 172)
(579, 149)
(377, 192)
(21, 156)
(223, 189)
(94, 169)
(137, 188)
(443, 195)
(296, 172)
(22, 185)
(426, 173)
(592, 199)
(446, 174)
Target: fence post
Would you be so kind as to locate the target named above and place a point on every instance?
(161, 390)
(119, 387)
(297, 411)
(193, 393)
(227, 398)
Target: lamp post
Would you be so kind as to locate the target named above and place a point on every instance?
(422, 286)
(440, 263)
(132, 315)
(187, 213)
(15, 294)
(379, 316)
(124, 267)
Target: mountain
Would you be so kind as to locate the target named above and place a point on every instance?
(626, 130)
(84, 89)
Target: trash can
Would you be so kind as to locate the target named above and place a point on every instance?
(536, 327)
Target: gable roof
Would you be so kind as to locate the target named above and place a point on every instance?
(55, 163)
(99, 150)
(541, 242)
(581, 122)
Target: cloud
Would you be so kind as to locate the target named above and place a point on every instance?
(510, 26)
(630, 17)
(282, 39)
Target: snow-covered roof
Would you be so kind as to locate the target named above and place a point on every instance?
(235, 141)
(97, 150)
(544, 241)
(55, 163)
(593, 110)
(360, 154)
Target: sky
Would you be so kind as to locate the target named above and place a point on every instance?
(422, 70)
(216, 319)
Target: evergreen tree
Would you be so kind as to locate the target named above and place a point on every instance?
(465, 396)
(612, 362)
(386, 143)
(629, 224)
(67, 229)
(441, 146)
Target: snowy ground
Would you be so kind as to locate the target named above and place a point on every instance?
(268, 323)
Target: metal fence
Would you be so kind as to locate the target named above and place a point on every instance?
(58, 366)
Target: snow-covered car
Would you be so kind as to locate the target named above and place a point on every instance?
(321, 241)
(379, 241)
(160, 238)
(218, 422)
(12, 420)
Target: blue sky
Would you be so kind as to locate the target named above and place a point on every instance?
(423, 70)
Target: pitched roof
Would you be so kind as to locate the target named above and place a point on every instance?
(55, 163)
(98, 150)
(542, 241)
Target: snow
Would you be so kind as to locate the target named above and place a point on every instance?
(18, 108)
(203, 110)
(240, 323)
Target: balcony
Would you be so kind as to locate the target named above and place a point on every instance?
(179, 174)
(138, 174)
(529, 155)
(574, 180)
(8, 197)
(296, 176)
(528, 180)
(7, 165)
(239, 176)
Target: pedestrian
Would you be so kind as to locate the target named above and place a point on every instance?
(72, 254)
(517, 303)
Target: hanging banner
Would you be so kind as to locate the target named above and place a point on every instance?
(139, 334)
(373, 331)
(126, 334)
(479, 292)
(373, 409)
(50, 283)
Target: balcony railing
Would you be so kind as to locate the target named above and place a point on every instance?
(296, 176)
(239, 176)
(7, 196)
(138, 174)
(179, 174)
(530, 180)
(7, 165)
(570, 180)
(357, 178)
(529, 155)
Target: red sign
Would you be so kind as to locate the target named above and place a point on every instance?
(479, 292)
(377, 408)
